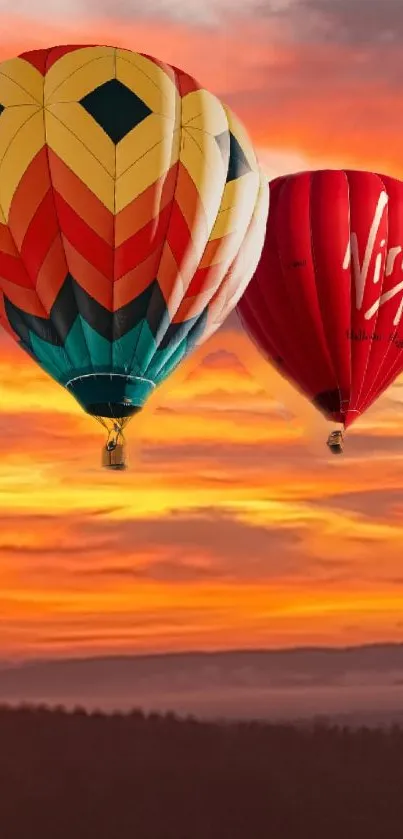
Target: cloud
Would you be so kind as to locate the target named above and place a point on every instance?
(265, 457)
(210, 12)
(360, 443)
(374, 504)
(342, 21)
(183, 546)
(374, 22)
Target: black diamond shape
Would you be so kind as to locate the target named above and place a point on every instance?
(238, 164)
(115, 108)
(2, 108)
(223, 143)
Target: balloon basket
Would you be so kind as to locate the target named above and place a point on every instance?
(114, 458)
(335, 442)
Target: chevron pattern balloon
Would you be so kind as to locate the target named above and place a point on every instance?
(132, 216)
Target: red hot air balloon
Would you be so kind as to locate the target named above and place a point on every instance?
(325, 305)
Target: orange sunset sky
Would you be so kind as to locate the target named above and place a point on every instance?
(232, 528)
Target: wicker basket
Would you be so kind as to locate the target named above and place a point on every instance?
(335, 442)
(114, 458)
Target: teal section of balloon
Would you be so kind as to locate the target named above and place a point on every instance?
(125, 390)
(133, 350)
(86, 355)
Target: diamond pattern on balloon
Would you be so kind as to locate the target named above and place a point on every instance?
(238, 164)
(232, 156)
(115, 108)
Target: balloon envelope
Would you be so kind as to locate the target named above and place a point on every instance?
(132, 216)
(325, 304)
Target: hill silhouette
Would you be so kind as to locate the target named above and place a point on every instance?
(131, 776)
(362, 682)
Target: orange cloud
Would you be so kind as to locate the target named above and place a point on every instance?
(225, 520)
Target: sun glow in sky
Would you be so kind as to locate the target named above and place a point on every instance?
(232, 528)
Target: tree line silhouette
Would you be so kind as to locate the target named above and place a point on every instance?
(89, 775)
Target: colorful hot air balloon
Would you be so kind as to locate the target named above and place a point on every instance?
(132, 216)
(325, 304)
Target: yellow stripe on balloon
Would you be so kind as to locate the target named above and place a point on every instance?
(235, 217)
(80, 159)
(25, 124)
(145, 171)
(153, 131)
(149, 82)
(61, 72)
(204, 112)
(83, 81)
(83, 127)
(12, 121)
(200, 155)
(20, 83)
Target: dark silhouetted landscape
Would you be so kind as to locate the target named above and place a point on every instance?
(353, 685)
(325, 760)
(131, 776)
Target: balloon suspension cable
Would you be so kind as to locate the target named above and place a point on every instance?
(113, 453)
(335, 442)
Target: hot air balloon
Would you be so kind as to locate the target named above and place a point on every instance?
(325, 304)
(132, 216)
